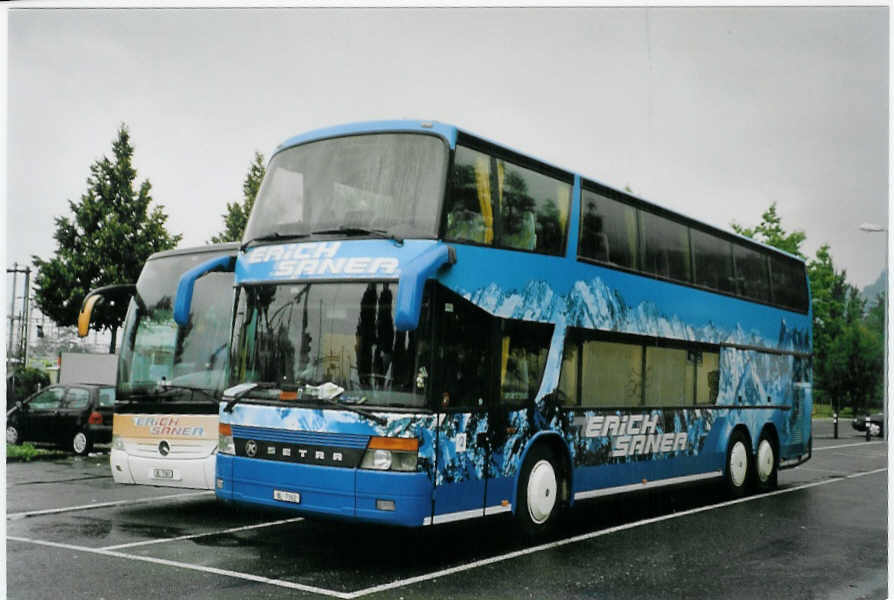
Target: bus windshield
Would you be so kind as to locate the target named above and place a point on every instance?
(389, 182)
(156, 353)
(291, 336)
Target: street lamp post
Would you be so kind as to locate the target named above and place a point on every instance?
(873, 228)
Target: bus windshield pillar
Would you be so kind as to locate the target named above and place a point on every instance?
(183, 300)
(412, 281)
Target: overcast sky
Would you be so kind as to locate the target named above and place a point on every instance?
(712, 112)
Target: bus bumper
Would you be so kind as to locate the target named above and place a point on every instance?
(197, 473)
(403, 499)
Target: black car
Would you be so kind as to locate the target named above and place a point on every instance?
(74, 416)
(876, 424)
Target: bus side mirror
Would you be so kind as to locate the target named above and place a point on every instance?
(183, 300)
(412, 283)
(112, 292)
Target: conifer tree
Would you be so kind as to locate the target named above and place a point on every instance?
(106, 239)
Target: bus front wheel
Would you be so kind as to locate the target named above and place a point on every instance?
(538, 491)
(738, 463)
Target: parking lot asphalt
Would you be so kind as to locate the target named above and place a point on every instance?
(73, 533)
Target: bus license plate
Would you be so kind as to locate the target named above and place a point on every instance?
(284, 496)
(162, 473)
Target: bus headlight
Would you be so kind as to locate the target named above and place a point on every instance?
(225, 443)
(391, 454)
(117, 442)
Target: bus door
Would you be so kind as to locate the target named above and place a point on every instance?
(462, 387)
(521, 349)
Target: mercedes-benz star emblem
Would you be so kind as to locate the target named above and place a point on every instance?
(251, 448)
(164, 448)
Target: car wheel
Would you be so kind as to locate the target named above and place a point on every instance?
(81, 443)
(738, 461)
(13, 435)
(766, 464)
(539, 483)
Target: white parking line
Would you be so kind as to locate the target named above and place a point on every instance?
(198, 535)
(812, 470)
(52, 511)
(588, 536)
(443, 572)
(181, 565)
(817, 448)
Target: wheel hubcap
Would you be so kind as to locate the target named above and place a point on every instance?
(738, 464)
(12, 435)
(765, 460)
(542, 489)
(80, 442)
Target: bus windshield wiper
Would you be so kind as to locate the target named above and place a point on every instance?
(243, 389)
(270, 237)
(165, 387)
(328, 392)
(352, 230)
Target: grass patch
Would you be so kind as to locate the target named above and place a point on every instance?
(826, 410)
(27, 452)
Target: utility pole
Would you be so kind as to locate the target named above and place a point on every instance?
(12, 309)
(22, 350)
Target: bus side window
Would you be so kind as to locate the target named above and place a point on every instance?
(751, 273)
(608, 230)
(713, 259)
(464, 353)
(470, 214)
(707, 376)
(523, 352)
(568, 378)
(533, 209)
(665, 247)
(611, 374)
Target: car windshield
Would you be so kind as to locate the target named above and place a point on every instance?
(391, 183)
(107, 396)
(155, 351)
(292, 336)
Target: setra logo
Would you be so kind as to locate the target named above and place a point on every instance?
(164, 448)
(251, 448)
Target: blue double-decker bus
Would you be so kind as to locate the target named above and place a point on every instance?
(430, 327)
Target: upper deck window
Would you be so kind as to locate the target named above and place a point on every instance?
(388, 181)
(608, 230)
(789, 283)
(713, 258)
(751, 272)
(665, 247)
(499, 203)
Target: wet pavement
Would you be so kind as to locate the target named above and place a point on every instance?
(822, 534)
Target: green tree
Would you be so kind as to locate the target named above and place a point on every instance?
(23, 382)
(770, 232)
(848, 348)
(236, 217)
(830, 292)
(109, 235)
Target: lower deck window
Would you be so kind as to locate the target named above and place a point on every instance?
(619, 374)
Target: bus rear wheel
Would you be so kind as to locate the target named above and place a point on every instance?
(738, 464)
(539, 483)
(766, 464)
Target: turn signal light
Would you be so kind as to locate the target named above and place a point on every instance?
(95, 418)
(391, 443)
(225, 443)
